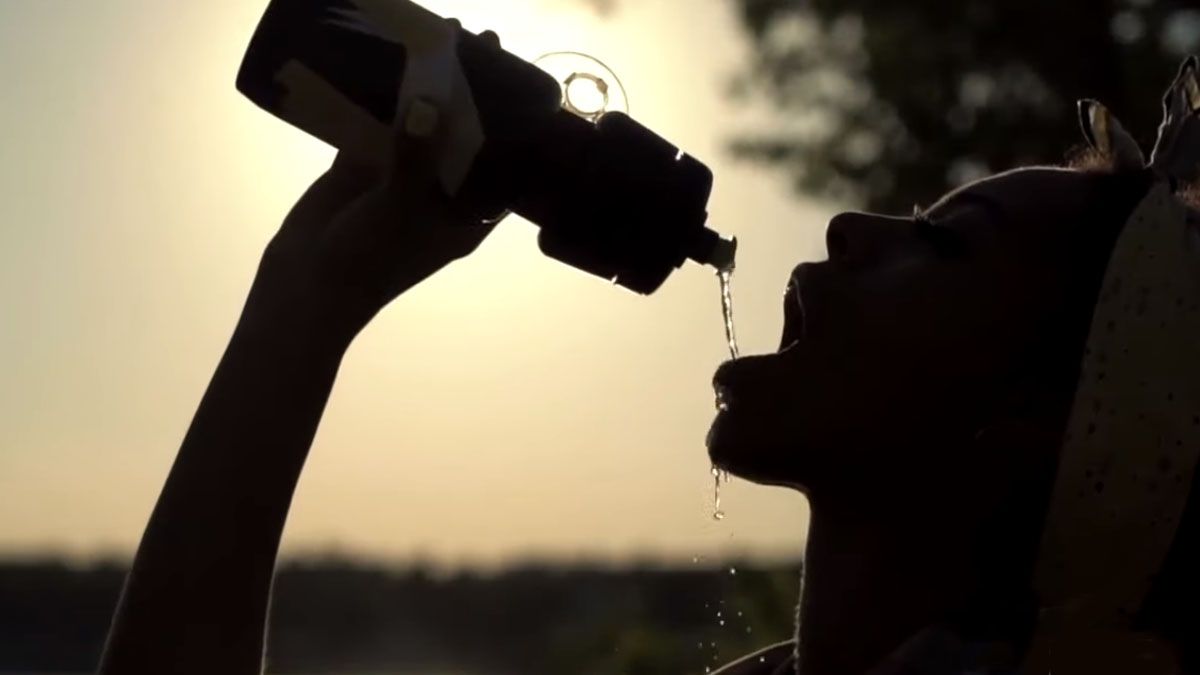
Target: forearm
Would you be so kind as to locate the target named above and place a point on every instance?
(196, 598)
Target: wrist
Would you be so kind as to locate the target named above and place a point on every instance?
(308, 302)
(295, 331)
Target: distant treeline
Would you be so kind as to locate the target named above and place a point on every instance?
(347, 617)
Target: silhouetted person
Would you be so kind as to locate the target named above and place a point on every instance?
(919, 400)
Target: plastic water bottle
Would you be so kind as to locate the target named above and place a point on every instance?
(611, 197)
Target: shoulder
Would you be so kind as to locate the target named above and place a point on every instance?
(779, 659)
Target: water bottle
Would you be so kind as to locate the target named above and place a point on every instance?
(610, 196)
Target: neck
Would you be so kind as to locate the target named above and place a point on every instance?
(870, 583)
(885, 564)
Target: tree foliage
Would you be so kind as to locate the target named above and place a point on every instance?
(885, 103)
(333, 615)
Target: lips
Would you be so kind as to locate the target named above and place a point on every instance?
(750, 402)
(724, 397)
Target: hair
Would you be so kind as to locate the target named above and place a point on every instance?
(1087, 159)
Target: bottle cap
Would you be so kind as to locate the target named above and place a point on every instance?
(710, 248)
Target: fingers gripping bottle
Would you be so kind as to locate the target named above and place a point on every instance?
(611, 197)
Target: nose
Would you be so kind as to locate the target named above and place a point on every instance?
(858, 239)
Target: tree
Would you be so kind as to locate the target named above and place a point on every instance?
(885, 103)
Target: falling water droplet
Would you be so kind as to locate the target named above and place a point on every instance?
(718, 514)
(733, 573)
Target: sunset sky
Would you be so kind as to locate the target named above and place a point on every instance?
(510, 407)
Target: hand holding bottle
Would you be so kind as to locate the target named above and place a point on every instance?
(358, 239)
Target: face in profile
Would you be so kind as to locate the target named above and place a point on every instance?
(904, 344)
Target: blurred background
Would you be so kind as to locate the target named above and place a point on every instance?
(511, 474)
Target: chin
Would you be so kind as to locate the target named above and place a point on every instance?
(750, 449)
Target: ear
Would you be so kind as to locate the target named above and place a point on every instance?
(1177, 153)
(1106, 135)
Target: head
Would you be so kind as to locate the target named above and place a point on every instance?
(927, 373)
(932, 360)
(921, 334)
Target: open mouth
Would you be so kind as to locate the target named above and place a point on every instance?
(793, 310)
(731, 378)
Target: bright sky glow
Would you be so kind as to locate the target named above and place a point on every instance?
(510, 407)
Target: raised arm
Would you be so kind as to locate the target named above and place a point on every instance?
(196, 598)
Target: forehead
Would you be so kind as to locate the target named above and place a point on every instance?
(1031, 194)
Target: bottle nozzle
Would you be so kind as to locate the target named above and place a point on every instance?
(710, 248)
(724, 254)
